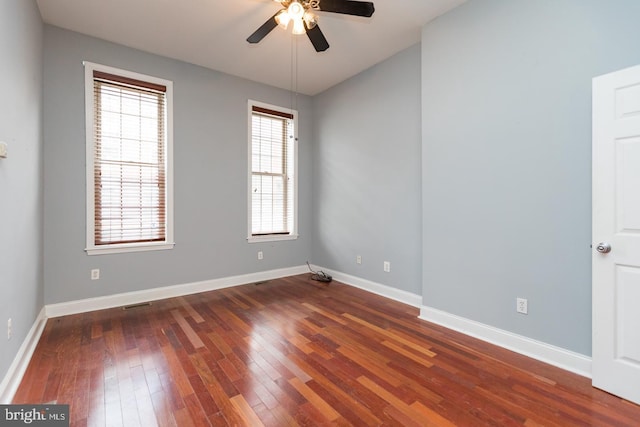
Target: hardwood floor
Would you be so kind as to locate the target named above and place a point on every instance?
(292, 352)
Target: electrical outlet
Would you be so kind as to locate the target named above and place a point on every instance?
(522, 305)
(95, 274)
(358, 259)
(386, 266)
(260, 255)
(9, 327)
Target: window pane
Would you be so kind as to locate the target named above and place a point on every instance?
(130, 104)
(148, 129)
(149, 108)
(110, 124)
(268, 139)
(268, 207)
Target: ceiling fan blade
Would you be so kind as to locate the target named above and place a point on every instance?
(264, 29)
(318, 40)
(348, 7)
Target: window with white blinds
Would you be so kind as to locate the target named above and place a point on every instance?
(272, 192)
(128, 161)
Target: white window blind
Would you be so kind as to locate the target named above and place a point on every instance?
(129, 162)
(272, 172)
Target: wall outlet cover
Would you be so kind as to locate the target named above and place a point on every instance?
(522, 305)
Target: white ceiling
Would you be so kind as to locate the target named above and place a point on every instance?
(213, 33)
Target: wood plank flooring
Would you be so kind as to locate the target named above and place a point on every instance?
(290, 352)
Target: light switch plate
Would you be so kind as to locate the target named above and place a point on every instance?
(3, 150)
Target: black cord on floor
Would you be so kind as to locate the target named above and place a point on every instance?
(320, 276)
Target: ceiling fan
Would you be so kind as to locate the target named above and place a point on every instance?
(301, 13)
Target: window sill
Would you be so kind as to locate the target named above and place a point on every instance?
(271, 238)
(131, 247)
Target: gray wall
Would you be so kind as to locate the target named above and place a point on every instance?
(366, 174)
(210, 176)
(21, 292)
(506, 188)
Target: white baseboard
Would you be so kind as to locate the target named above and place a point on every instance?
(556, 356)
(128, 298)
(375, 288)
(11, 381)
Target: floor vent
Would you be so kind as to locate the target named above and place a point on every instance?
(261, 283)
(142, 304)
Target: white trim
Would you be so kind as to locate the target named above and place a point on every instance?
(556, 356)
(12, 379)
(271, 238)
(128, 298)
(375, 288)
(169, 242)
(129, 247)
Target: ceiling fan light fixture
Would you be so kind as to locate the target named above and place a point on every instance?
(298, 27)
(311, 19)
(283, 18)
(295, 10)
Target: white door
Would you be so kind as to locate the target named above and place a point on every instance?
(616, 224)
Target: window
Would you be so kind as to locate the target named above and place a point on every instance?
(129, 161)
(272, 167)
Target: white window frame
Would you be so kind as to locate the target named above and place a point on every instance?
(293, 234)
(168, 243)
